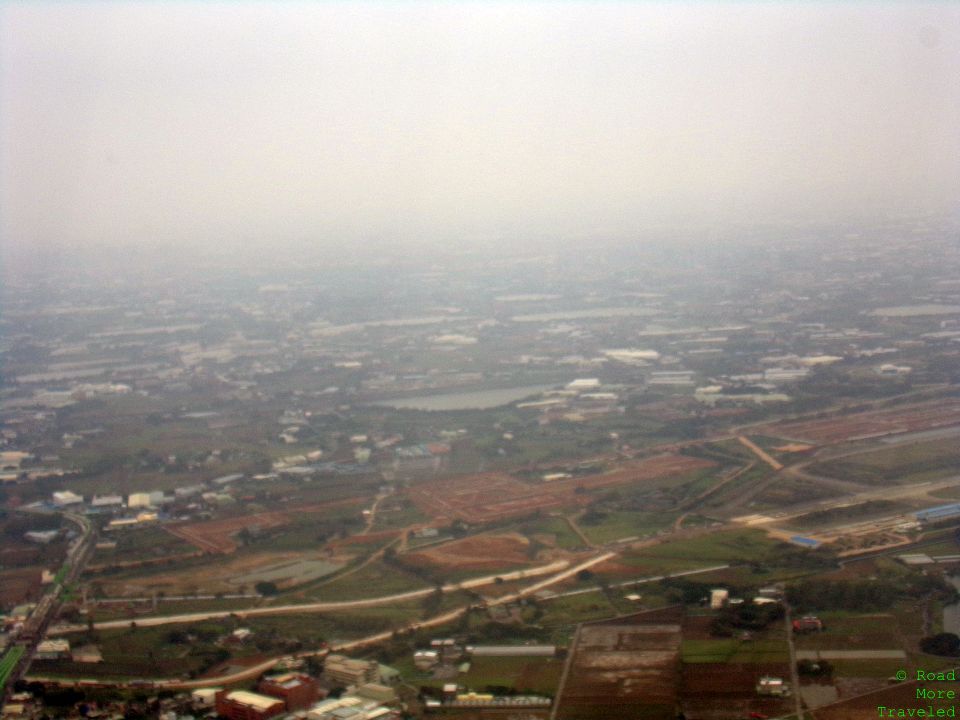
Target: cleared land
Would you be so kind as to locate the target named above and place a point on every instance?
(218, 536)
(243, 570)
(623, 668)
(900, 464)
(494, 496)
(478, 552)
(858, 426)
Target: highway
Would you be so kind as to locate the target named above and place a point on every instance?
(324, 606)
(256, 670)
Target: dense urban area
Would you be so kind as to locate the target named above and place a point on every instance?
(713, 475)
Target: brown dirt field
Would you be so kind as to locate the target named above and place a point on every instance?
(901, 695)
(492, 496)
(907, 418)
(19, 586)
(383, 535)
(479, 552)
(216, 536)
(728, 679)
(697, 627)
(623, 668)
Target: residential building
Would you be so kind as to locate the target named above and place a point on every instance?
(347, 671)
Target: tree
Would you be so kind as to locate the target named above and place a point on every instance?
(267, 588)
(944, 644)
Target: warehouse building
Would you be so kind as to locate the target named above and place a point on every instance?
(940, 512)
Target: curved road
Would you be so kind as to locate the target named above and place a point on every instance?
(319, 606)
(257, 670)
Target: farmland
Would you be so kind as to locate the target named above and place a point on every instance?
(493, 496)
(218, 536)
(906, 463)
(624, 668)
(877, 423)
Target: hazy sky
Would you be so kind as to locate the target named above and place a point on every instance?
(197, 123)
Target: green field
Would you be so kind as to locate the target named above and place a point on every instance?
(734, 651)
(154, 651)
(555, 527)
(622, 524)
(535, 675)
(376, 578)
(744, 545)
(901, 464)
(852, 631)
(141, 543)
(7, 663)
(849, 513)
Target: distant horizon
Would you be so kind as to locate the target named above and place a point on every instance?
(238, 128)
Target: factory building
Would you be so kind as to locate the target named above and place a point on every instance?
(940, 512)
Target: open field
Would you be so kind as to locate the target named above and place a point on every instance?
(494, 496)
(554, 532)
(848, 513)
(19, 585)
(371, 580)
(796, 491)
(178, 649)
(711, 689)
(622, 524)
(906, 463)
(478, 552)
(856, 426)
(528, 675)
(624, 668)
(853, 631)
(217, 536)
(239, 572)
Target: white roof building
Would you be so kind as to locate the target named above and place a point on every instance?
(65, 497)
(140, 499)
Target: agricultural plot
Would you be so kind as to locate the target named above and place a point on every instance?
(374, 579)
(219, 536)
(554, 532)
(624, 668)
(744, 545)
(487, 552)
(239, 573)
(850, 631)
(902, 464)
(494, 496)
(796, 491)
(19, 585)
(711, 689)
(138, 545)
(619, 525)
(857, 426)
(527, 675)
(848, 513)
(565, 612)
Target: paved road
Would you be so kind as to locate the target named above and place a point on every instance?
(255, 671)
(318, 606)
